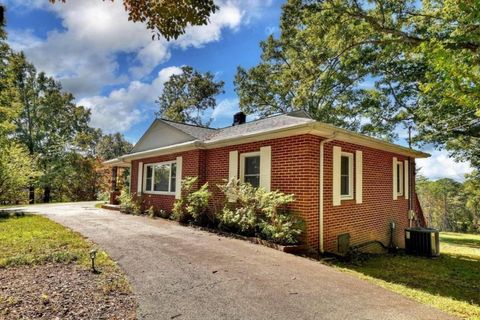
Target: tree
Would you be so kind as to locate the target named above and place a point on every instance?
(112, 145)
(9, 95)
(169, 18)
(449, 205)
(49, 122)
(16, 170)
(374, 65)
(186, 96)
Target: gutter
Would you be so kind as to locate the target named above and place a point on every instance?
(184, 146)
(321, 201)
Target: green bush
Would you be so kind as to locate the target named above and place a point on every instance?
(240, 212)
(193, 205)
(151, 212)
(254, 211)
(128, 204)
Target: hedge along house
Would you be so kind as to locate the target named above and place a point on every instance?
(346, 185)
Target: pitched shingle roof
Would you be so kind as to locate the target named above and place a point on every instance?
(205, 134)
(271, 123)
(200, 133)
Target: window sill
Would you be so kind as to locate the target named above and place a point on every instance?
(162, 193)
(346, 198)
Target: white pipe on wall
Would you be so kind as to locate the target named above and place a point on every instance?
(321, 201)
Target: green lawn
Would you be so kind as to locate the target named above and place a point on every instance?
(32, 239)
(450, 282)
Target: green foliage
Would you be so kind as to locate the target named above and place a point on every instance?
(186, 96)
(450, 205)
(254, 211)
(240, 213)
(373, 66)
(111, 146)
(277, 223)
(49, 124)
(151, 212)
(193, 205)
(16, 170)
(128, 204)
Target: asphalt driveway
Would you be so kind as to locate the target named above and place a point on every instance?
(181, 273)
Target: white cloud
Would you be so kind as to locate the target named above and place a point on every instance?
(83, 55)
(440, 165)
(225, 109)
(125, 107)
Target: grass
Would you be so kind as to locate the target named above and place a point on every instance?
(31, 239)
(450, 282)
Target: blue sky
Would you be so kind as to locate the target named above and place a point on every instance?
(113, 67)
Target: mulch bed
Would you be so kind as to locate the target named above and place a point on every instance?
(61, 291)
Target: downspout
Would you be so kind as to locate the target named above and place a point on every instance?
(320, 218)
(411, 175)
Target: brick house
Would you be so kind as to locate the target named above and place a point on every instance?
(344, 183)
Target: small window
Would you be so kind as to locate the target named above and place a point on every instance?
(346, 176)
(250, 168)
(400, 178)
(160, 177)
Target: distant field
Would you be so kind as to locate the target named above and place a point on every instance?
(450, 282)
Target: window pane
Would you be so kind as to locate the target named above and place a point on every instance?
(254, 180)
(345, 186)
(148, 185)
(345, 163)
(162, 174)
(252, 165)
(173, 177)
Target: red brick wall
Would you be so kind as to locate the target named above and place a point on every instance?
(193, 164)
(370, 219)
(295, 169)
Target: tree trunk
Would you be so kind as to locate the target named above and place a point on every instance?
(46, 194)
(31, 194)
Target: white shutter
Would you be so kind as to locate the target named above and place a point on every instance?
(394, 170)
(178, 178)
(265, 167)
(359, 176)
(405, 179)
(233, 165)
(140, 178)
(337, 165)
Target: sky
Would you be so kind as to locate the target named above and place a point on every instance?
(114, 68)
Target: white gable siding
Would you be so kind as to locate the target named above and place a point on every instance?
(160, 135)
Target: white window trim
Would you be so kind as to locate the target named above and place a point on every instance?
(144, 187)
(350, 176)
(400, 174)
(242, 163)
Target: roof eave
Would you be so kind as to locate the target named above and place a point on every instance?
(325, 129)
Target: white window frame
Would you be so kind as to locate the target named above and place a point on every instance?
(242, 164)
(144, 187)
(400, 180)
(348, 196)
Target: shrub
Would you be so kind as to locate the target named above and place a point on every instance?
(193, 205)
(239, 213)
(250, 211)
(151, 212)
(103, 196)
(128, 204)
